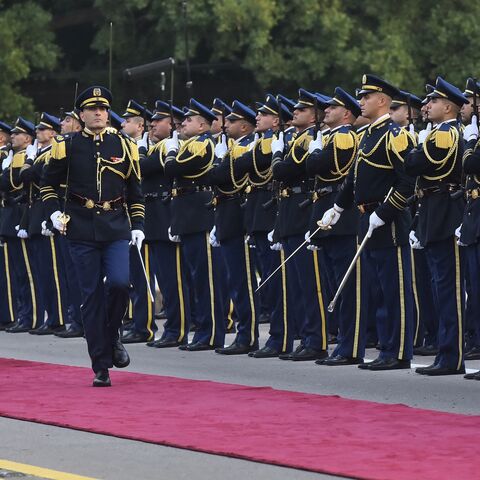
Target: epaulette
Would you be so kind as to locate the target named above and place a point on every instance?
(445, 135)
(59, 147)
(398, 138)
(344, 138)
(18, 159)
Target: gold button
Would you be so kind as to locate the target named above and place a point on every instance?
(89, 203)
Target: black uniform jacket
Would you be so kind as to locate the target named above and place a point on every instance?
(438, 165)
(377, 181)
(104, 197)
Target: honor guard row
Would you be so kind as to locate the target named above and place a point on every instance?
(330, 217)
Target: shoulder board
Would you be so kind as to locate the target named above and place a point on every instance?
(59, 147)
(398, 138)
(304, 139)
(266, 145)
(445, 136)
(111, 130)
(198, 146)
(18, 159)
(344, 139)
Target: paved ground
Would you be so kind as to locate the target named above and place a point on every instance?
(105, 457)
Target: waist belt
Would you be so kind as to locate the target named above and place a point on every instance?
(155, 195)
(473, 193)
(321, 192)
(105, 205)
(287, 191)
(252, 188)
(368, 207)
(444, 188)
(185, 190)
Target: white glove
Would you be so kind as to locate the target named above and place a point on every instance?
(256, 137)
(212, 238)
(173, 238)
(277, 144)
(270, 236)
(55, 218)
(312, 247)
(276, 246)
(374, 222)
(422, 135)
(221, 147)
(171, 144)
(31, 150)
(7, 160)
(414, 243)
(411, 129)
(22, 233)
(143, 142)
(307, 237)
(471, 131)
(316, 144)
(46, 232)
(330, 217)
(458, 234)
(137, 238)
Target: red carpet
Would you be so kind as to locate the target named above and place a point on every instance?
(313, 432)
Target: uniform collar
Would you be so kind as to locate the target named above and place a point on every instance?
(333, 130)
(379, 121)
(88, 133)
(438, 125)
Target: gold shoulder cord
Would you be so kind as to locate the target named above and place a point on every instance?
(303, 138)
(266, 175)
(209, 164)
(441, 163)
(340, 172)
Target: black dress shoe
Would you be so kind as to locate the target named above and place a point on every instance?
(135, 337)
(72, 331)
(18, 328)
(473, 354)
(308, 354)
(102, 379)
(120, 358)
(288, 356)
(389, 364)
(426, 350)
(340, 360)
(198, 347)
(438, 370)
(46, 329)
(237, 349)
(264, 318)
(472, 376)
(265, 352)
(4, 326)
(166, 343)
(366, 366)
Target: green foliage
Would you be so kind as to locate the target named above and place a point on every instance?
(284, 44)
(27, 45)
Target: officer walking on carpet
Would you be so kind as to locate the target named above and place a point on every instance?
(102, 214)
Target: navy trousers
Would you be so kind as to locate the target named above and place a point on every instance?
(389, 270)
(337, 253)
(7, 302)
(203, 263)
(23, 286)
(169, 266)
(103, 302)
(281, 333)
(472, 310)
(143, 306)
(445, 263)
(73, 295)
(242, 284)
(426, 317)
(308, 293)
